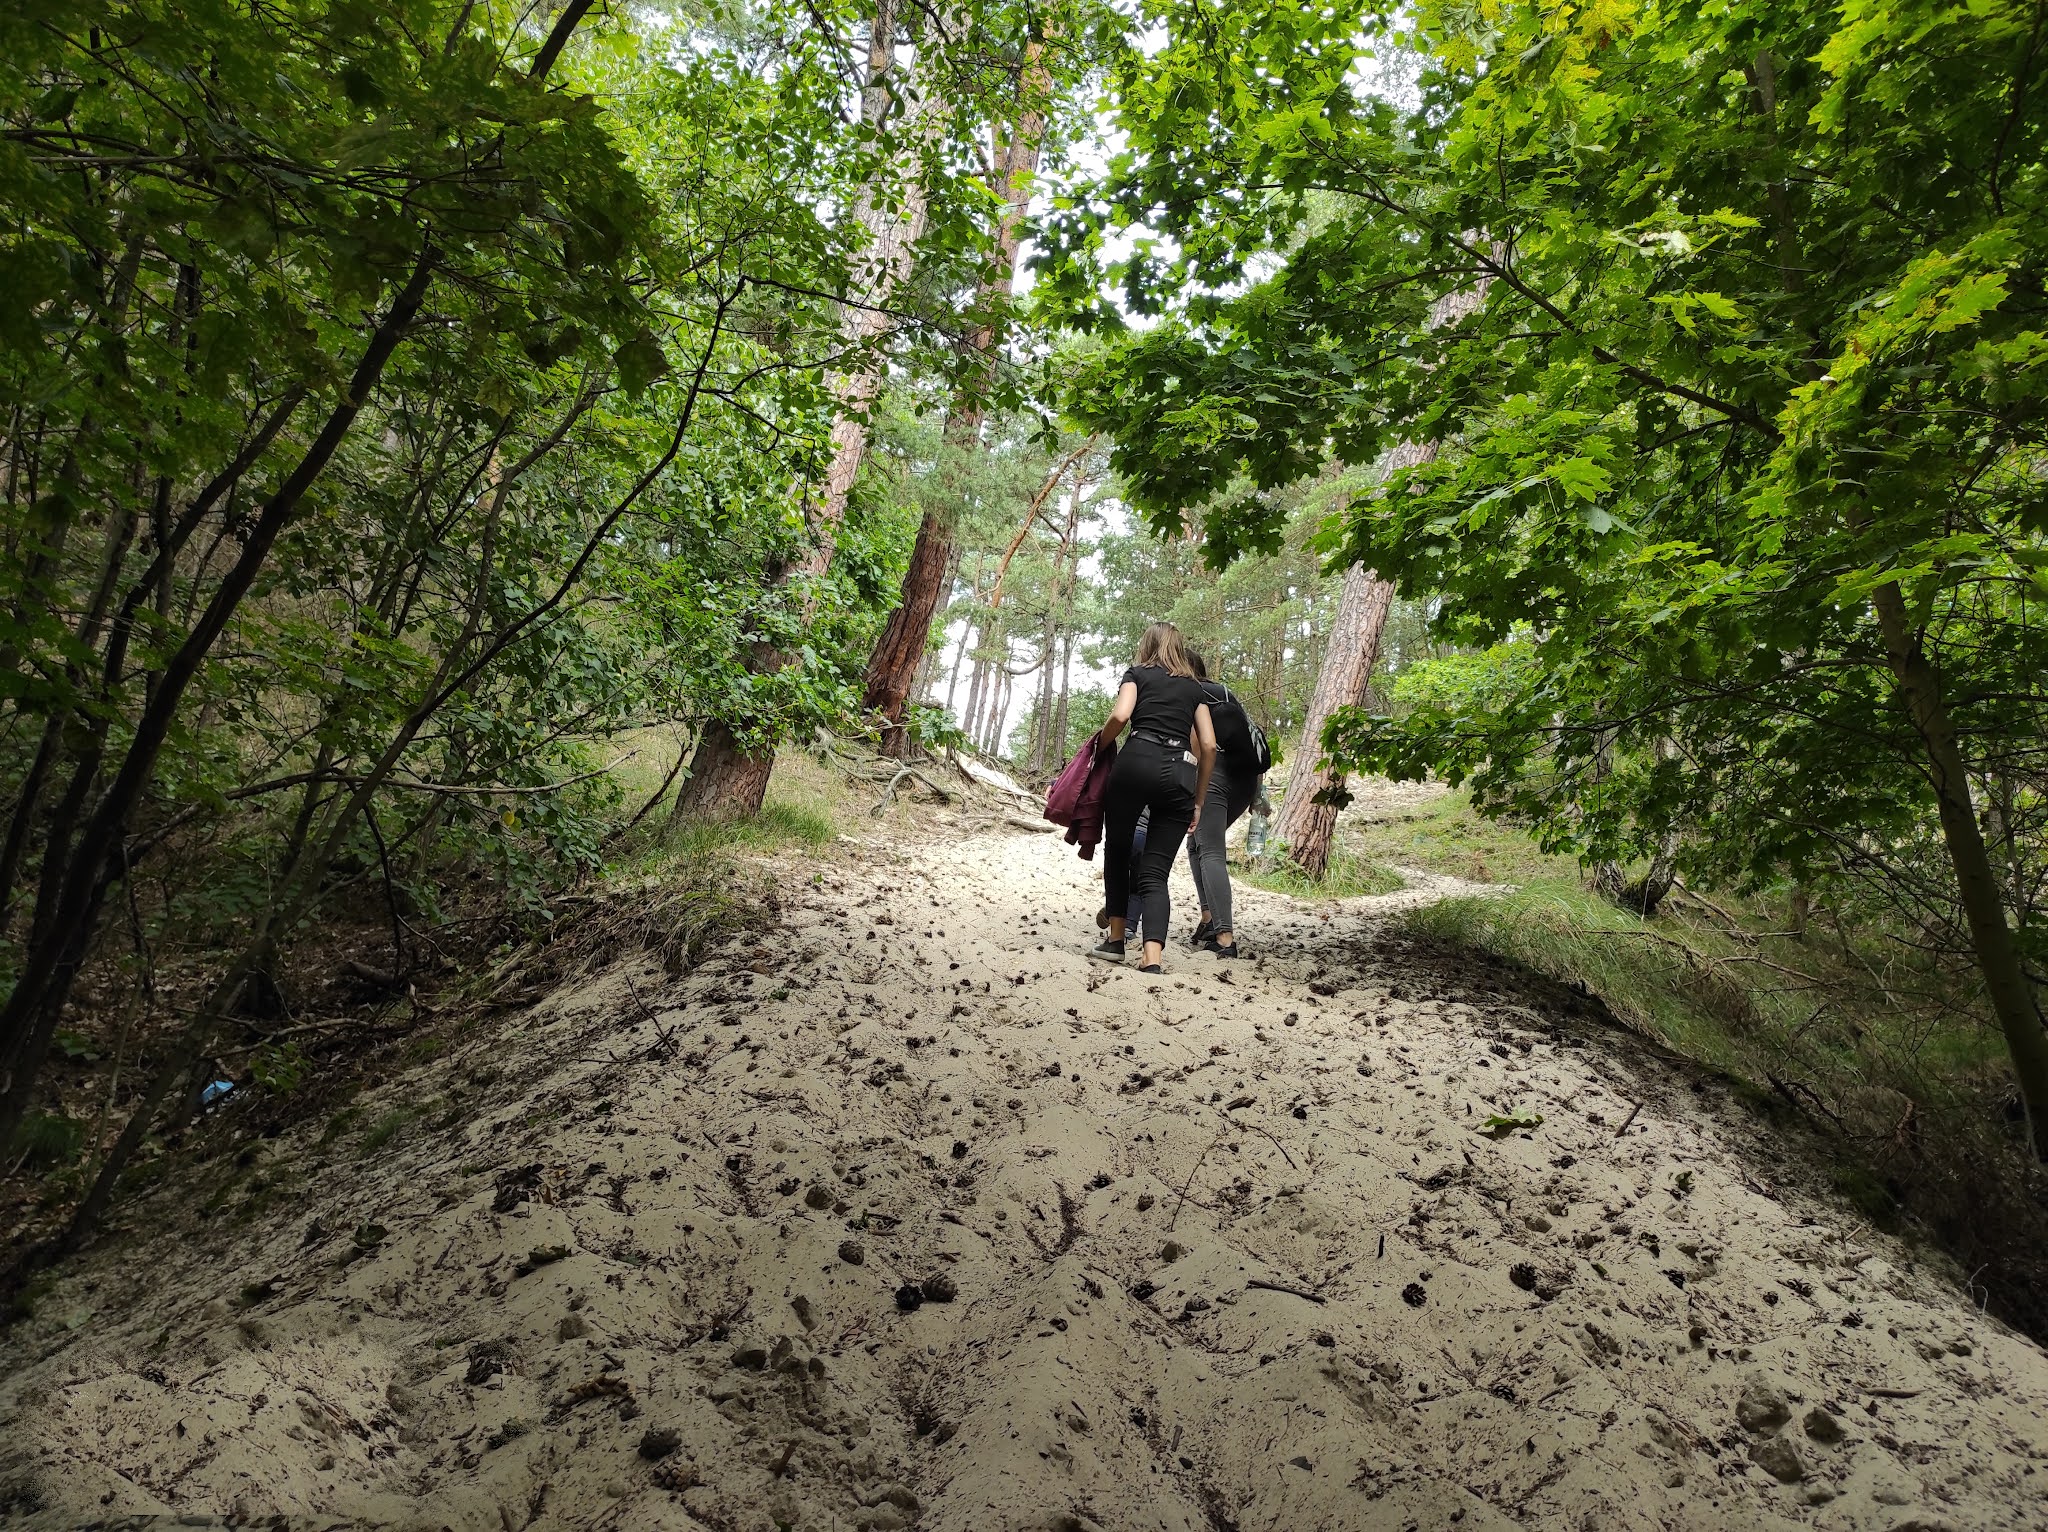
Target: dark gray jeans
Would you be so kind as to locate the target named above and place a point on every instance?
(1224, 806)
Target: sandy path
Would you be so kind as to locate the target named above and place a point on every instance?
(919, 1079)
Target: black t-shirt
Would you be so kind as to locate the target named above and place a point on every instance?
(1235, 758)
(1166, 702)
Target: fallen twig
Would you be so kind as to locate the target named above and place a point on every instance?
(1707, 964)
(664, 1042)
(1189, 1183)
(1623, 1129)
(1281, 1287)
(1242, 1125)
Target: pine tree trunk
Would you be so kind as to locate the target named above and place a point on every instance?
(721, 775)
(900, 652)
(1059, 727)
(2014, 999)
(953, 672)
(902, 644)
(977, 679)
(1307, 822)
(725, 781)
(966, 636)
(1000, 712)
(928, 668)
(1041, 712)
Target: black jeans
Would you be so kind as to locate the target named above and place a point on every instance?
(1147, 775)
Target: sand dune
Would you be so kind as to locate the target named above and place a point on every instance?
(925, 1221)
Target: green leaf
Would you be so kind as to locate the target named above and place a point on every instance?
(640, 362)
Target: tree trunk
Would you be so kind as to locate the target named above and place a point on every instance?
(893, 224)
(2012, 994)
(977, 679)
(1059, 724)
(900, 651)
(726, 781)
(1641, 896)
(1307, 821)
(1041, 713)
(1001, 711)
(893, 665)
(43, 983)
(723, 777)
(935, 654)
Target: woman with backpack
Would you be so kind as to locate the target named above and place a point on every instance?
(1164, 769)
(1242, 757)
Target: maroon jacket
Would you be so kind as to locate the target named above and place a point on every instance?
(1078, 793)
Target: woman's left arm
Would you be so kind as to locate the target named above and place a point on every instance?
(1205, 760)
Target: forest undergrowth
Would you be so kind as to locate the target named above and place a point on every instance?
(344, 1023)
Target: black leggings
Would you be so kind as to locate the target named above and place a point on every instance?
(1206, 860)
(1147, 775)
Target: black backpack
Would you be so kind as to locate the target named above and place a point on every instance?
(1262, 752)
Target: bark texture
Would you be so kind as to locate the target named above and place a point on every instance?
(1307, 821)
(893, 667)
(892, 217)
(727, 781)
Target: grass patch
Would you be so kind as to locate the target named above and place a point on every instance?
(1448, 836)
(47, 1140)
(385, 1129)
(1564, 931)
(674, 884)
(1349, 876)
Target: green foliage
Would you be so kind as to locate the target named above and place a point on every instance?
(47, 1141)
(280, 1066)
(933, 728)
(1349, 876)
(1087, 707)
(1448, 835)
(1750, 339)
(401, 403)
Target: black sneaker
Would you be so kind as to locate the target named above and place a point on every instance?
(1225, 952)
(1149, 968)
(1202, 934)
(1107, 952)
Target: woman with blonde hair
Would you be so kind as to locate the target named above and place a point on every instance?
(1165, 768)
